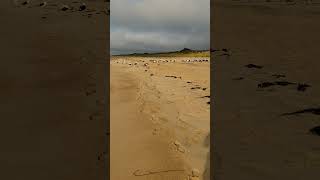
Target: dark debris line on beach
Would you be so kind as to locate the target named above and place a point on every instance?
(174, 77)
(253, 66)
(279, 83)
(300, 87)
(315, 111)
(278, 75)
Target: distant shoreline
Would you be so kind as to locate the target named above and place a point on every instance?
(183, 53)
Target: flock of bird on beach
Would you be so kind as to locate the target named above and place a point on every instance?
(146, 65)
(160, 61)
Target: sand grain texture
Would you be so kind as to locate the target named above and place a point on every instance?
(159, 124)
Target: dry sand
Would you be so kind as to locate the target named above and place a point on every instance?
(251, 139)
(160, 118)
(50, 60)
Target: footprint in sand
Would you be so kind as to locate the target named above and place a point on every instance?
(156, 131)
(195, 173)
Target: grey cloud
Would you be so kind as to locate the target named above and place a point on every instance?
(159, 25)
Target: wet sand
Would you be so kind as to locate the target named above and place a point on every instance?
(159, 117)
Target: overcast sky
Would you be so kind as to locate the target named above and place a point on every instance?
(159, 25)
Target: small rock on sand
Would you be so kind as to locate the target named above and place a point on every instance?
(82, 7)
(315, 130)
(302, 87)
(65, 7)
(43, 4)
(25, 3)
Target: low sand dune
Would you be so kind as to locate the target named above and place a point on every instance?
(160, 118)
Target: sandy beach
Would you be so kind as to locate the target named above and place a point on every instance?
(160, 116)
(53, 83)
(272, 54)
